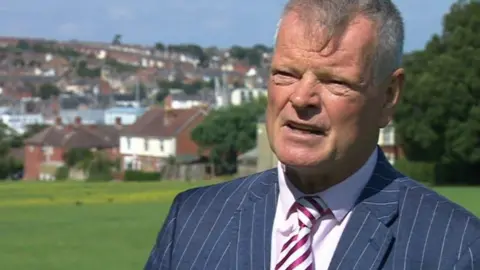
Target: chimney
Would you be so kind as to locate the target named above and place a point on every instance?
(168, 116)
(58, 121)
(167, 101)
(118, 122)
(78, 121)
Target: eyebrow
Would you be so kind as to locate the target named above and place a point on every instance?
(323, 73)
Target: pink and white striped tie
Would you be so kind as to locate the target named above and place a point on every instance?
(296, 253)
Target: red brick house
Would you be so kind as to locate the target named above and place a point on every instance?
(44, 151)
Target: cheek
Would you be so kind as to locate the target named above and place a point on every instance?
(277, 99)
(344, 113)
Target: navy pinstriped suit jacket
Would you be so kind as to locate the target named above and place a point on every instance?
(396, 224)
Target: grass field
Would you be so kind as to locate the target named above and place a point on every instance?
(98, 225)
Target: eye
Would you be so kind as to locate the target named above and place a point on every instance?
(337, 82)
(283, 77)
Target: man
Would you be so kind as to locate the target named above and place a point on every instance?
(334, 202)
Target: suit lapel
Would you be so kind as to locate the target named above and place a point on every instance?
(367, 238)
(253, 224)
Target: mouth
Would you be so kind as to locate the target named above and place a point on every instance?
(305, 129)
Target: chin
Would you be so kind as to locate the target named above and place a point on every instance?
(302, 157)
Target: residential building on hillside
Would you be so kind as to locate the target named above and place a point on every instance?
(88, 116)
(126, 115)
(390, 146)
(44, 151)
(18, 119)
(178, 99)
(159, 135)
(242, 95)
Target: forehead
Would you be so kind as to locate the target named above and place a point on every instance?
(298, 41)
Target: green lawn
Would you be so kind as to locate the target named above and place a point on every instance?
(98, 226)
(49, 226)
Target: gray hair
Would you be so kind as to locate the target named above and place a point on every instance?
(334, 15)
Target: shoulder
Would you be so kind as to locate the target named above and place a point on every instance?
(418, 196)
(228, 194)
(435, 219)
(445, 232)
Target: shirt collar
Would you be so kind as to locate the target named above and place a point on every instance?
(339, 198)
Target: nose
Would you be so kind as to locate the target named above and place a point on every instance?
(306, 94)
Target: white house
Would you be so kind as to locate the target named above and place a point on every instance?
(386, 140)
(158, 135)
(126, 115)
(20, 121)
(242, 95)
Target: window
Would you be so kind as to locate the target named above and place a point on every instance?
(251, 97)
(388, 135)
(47, 152)
(243, 97)
(161, 146)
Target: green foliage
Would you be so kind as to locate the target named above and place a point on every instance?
(62, 173)
(23, 45)
(97, 165)
(159, 46)
(75, 156)
(9, 166)
(100, 168)
(66, 52)
(420, 171)
(253, 55)
(439, 117)
(119, 67)
(229, 132)
(48, 90)
(84, 71)
(191, 49)
(190, 89)
(141, 176)
(117, 39)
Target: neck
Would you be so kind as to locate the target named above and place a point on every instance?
(317, 179)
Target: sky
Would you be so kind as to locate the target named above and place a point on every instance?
(221, 23)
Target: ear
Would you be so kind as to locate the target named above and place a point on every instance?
(392, 96)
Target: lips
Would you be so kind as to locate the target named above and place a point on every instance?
(294, 126)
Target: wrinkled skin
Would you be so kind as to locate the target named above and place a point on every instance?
(325, 87)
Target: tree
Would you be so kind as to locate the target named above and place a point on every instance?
(23, 45)
(84, 71)
(238, 52)
(75, 156)
(438, 120)
(48, 90)
(117, 39)
(160, 46)
(229, 132)
(8, 165)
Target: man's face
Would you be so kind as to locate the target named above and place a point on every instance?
(321, 106)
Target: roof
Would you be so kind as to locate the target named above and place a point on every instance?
(206, 95)
(126, 110)
(87, 115)
(153, 122)
(77, 137)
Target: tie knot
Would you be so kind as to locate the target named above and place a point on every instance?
(310, 209)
